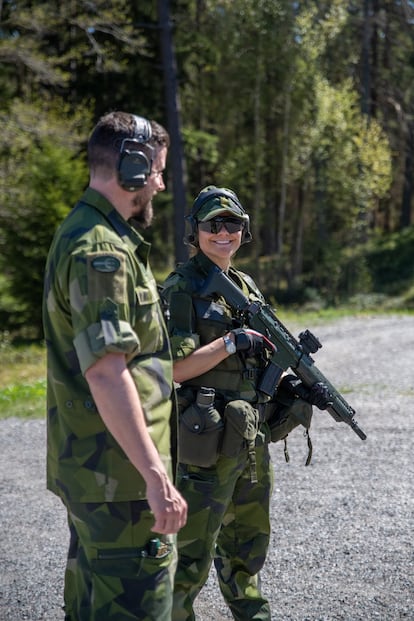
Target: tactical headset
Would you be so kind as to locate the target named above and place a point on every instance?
(134, 165)
(201, 199)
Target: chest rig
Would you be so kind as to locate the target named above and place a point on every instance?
(210, 317)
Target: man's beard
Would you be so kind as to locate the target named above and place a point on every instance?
(144, 216)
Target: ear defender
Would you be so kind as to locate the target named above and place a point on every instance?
(134, 165)
(202, 198)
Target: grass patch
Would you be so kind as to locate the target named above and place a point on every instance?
(22, 380)
(23, 400)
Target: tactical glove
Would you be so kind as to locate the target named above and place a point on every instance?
(317, 395)
(250, 342)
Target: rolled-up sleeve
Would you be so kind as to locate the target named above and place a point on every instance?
(100, 309)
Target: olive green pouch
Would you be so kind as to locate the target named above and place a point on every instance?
(282, 418)
(241, 423)
(200, 434)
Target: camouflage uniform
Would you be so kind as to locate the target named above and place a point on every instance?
(100, 296)
(228, 500)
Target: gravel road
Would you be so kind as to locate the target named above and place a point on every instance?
(342, 528)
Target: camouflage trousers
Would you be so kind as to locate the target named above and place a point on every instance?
(228, 522)
(117, 568)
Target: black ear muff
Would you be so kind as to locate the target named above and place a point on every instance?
(134, 165)
(191, 237)
(246, 235)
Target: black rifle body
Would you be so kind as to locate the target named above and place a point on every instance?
(289, 352)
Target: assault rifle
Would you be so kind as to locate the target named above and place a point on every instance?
(288, 353)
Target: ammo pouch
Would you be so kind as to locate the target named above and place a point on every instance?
(241, 423)
(200, 431)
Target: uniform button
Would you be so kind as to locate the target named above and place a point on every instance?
(88, 404)
(69, 404)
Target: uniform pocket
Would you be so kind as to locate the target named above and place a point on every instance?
(149, 318)
(129, 562)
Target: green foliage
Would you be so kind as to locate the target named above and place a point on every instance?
(365, 276)
(390, 261)
(79, 50)
(45, 180)
(23, 400)
(201, 148)
(346, 162)
(271, 94)
(22, 379)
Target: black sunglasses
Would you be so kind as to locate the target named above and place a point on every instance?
(232, 225)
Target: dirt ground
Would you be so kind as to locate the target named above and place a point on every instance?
(342, 544)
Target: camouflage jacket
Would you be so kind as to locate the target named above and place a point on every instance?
(100, 296)
(195, 321)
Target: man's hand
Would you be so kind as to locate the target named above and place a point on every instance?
(168, 506)
(250, 342)
(317, 395)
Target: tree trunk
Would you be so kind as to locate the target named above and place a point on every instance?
(284, 172)
(297, 245)
(258, 151)
(405, 219)
(365, 60)
(174, 128)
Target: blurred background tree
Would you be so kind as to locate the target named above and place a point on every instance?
(305, 109)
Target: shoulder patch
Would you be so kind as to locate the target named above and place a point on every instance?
(106, 263)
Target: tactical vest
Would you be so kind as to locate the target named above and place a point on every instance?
(211, 317)
(235, 378)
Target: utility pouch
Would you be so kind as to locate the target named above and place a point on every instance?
(241, 423)
(282, 418)
(200, 432)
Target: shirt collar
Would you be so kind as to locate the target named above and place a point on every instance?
(124, 229)
(203, 262)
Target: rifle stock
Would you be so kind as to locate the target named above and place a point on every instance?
(289, 353)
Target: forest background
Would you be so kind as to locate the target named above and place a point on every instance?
(304, 108)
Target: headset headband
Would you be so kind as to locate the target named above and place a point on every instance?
(143, 131)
